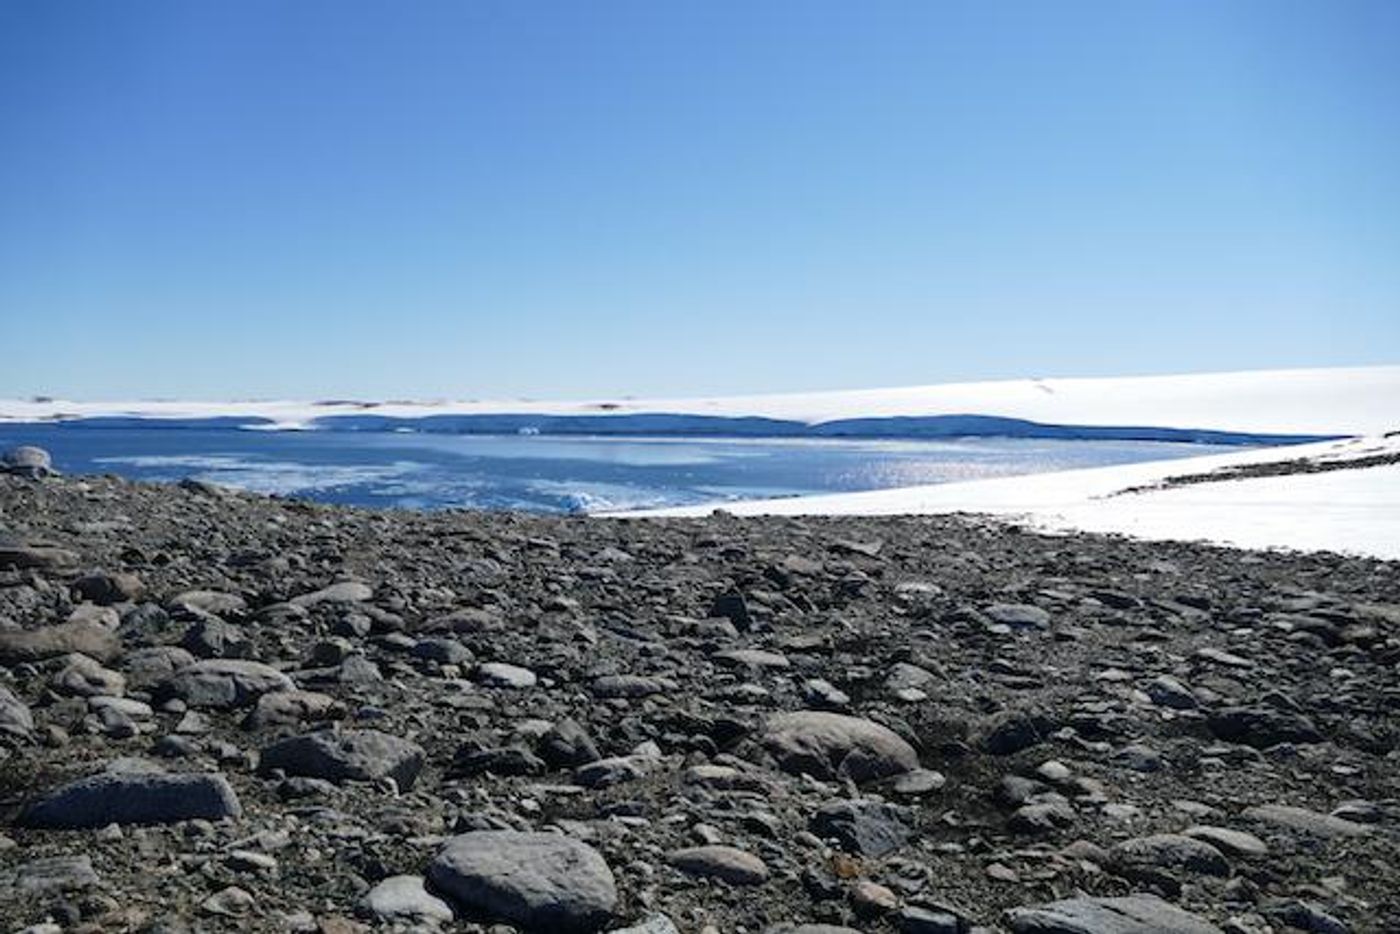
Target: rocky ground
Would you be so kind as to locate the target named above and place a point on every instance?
(226, 712)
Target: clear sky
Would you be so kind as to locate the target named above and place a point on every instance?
(204, 199)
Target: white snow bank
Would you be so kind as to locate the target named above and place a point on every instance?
(1355, 400)
(1355, 511)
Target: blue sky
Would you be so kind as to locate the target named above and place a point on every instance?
(378, 199)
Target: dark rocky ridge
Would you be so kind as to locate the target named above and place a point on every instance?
(1153, 736)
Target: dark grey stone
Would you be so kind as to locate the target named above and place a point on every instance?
(352, 755)
(133, 797)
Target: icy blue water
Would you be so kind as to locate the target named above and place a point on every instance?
(554, 474)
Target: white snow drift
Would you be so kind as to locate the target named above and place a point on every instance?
(1355, 511)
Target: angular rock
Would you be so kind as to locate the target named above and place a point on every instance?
(106, 589)
(15, 718)
(918, 920)
(566, 745)
(733, 607)
(224, 683)
(1011, 731)
(863, 827)
(146, 668)
(133, 797)
(1262, 726)
(536, 881)
(289, 708)
(1296, 914)
(604, 773)
(827, 745)
(442, 650)
(215, 638)
(352, 755)
(1041, 817)
(1166, 691)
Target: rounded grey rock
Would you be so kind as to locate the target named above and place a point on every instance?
(537, 881)
(827, 745)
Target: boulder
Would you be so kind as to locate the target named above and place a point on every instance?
(1159, 858)
(1304, 821)
(1262, 726)
(83, 677)
(50, 875)
(27, 461)
(82, 636)
(224, 683)
(536, 881)
(352, 755)
(1018, 615)
(133, 797)
(1130, 914)
(106, 589)
(502, 675)
(40, 557)
(289, 708)
(863, 827)
(827, 745)
(726, 863)
(404, 900)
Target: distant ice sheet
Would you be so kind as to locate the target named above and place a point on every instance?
(1335, 401)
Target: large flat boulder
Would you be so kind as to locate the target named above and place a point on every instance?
(81, 636)
(133, 797)
(536, 881)
(41, 557)
(830, 745)
(1130, 914)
